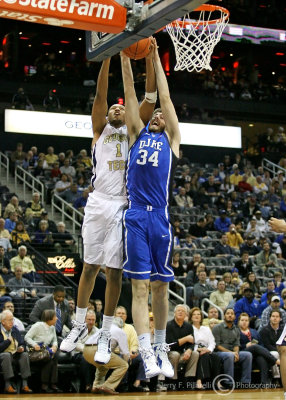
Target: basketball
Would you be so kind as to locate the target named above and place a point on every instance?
(139, 49)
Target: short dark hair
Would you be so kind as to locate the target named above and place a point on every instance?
(273, 311)
(48, 315)
(157, 110)
(228, 308)
(59, 288)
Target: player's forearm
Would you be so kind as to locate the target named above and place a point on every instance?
(150, 85)
(127, 76)
(161, 79)
(102, 81)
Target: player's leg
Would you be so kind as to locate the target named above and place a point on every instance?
(282, 353)
(85, 288)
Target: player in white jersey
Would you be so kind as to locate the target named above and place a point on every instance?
(102, 226)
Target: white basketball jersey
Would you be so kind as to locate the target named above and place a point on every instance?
(109, 156)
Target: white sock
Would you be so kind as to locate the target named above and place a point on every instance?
(145, 340)
(107, 322)
(159, 336)
(285, 395)
(80, 315)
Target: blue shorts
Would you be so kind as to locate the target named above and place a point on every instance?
(148, 244)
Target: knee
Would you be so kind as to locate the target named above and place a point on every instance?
(140, 289)
(114, 274)
(159, 288)
(90, 270)
(228, 357)
(174, 356)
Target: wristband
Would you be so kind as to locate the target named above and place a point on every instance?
(151, 97)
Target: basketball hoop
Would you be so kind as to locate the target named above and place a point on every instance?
(194, 40)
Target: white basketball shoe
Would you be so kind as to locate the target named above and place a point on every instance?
(79, 331)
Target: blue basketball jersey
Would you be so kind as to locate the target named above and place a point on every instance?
(150, 170)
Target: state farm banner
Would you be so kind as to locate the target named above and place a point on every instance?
(97, 15)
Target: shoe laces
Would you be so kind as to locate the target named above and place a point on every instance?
(74, 332)
(104, 341)
(147, 354)
(163, 349)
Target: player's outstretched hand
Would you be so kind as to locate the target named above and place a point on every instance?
(277, 225)
(153, 44)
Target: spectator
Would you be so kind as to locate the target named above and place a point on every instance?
(6, 244)
(269, 289)
(20, 101)
(118, 364)
(17, 322)
(283, 247)
(253, 283)
(56, 172)
(85, 159)
(252, 229)
(43, 236)
(211, 280)
(189, 244)
(270, 334)
(182, 200)
(19, 234)
(196, 260)
(63, 240)
(202, 289)
(177, 265)
(55, 301)
(250, 207)
(22, 260)
(221, 297)
(243, 186)
(13, 206)
(51, 102)
(209, 222)
(181, 334)
(266, 259)
(193, 276)
(251, 341)
(274, 305)
(248, 304)
(235, 177)
(222, 223)
(39, 170)
(234, 239)
(34, 208)
(212, 314)
(80, 202)
(68, 169)
(198, 230)
(43, 333)
(63, 185)
(10, 222)
(12, 351)
(52, 227)
(99, 313)
(227, 338)
(5, 269)
(244, 265)
(72, 194)
(260, 223)
(86, 370)
(4, 233)
(21, 287)
(209, 362)
(201, 199)
(18, 156)
(249, 246)
(222, 249)
(260, 187)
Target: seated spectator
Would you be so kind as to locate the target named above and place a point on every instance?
(211, 280)
(251, 341)
(243, 186)
(6, 244)
(4, 233)
(234, 239)
(43, 333)
(212, 314)
(227, 338)
(269, 289)
(52, 227)
(250, 207)
(279, 285)
(270, 334)
(274, 305)
(177, 265)
(10, 222)
(55, 301)
(5, 269)
(260, 223)
(63, 240)
(235, 279)
(20, 287)
(86, 370)
(22, 260)
(235, 177)
(34, 208)
(51, 157)
(85, 158)
(248, 304)
(181, 334)
(254, 283)
(12, 351)
(201, 199)
(226, 187)
(72, 194)
(43, 236)
(252, 229)
(196, 260)
(212, 187)
(260, 186)
(118, 364)
(221, 297)
(17, 322)
(229, 286)
(222, 249)
(29, 162)
(249, 246)
(17, 157)
(266, 259)
(63, 185)
(56, 172)
(189, 244)
(244, 265)
(209, 222)
(202, 289)
(13, 206)
(193, 276)
(182, 200)
(19, 235)
(39, 170)
(222, 222)
(80, 202)
(198, 230)
(20, 101)
(209, 363)
(44, 164)
(68, 169)
(82, 183)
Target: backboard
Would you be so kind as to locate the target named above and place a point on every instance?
(143, 20)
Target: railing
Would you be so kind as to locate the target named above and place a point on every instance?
(4, 163)
(272, 167)
(29, 181)
(210, 303)
(67, 211)
(183, 287)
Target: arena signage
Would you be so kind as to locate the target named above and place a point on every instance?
(75, 125)
(101, 16)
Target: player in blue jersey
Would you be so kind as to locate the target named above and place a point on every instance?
(148, 236)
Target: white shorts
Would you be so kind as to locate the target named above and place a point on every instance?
(102, 230)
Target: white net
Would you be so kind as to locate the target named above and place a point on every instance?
(194, 41)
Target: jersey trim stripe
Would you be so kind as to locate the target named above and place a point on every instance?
(125, 238)
(93, 165)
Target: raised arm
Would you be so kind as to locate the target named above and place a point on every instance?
(99, 108)
(132, 116)
(168, 109)
(148, 104)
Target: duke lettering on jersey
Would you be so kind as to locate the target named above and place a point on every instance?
(151, 143)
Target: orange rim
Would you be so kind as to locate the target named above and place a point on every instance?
(204, 7)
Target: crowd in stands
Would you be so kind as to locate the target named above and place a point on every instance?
(231, 263)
